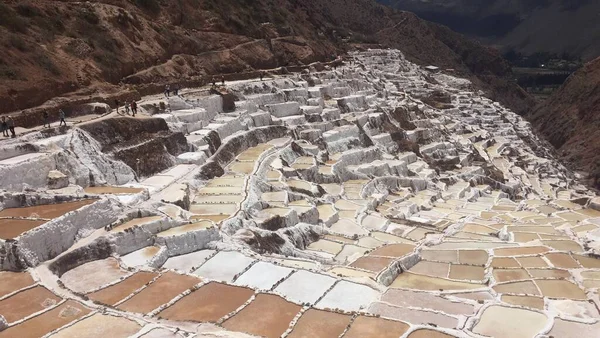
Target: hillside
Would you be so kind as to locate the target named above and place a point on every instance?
(70, 51)
(552, 26)
(570, 119)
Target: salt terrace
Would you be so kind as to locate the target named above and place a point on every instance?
(371, 200)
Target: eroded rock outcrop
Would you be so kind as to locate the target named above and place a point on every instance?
(147, 146)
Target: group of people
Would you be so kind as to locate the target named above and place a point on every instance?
(8, 124)
(168, 90)
(214, 81)
(132, 106)
(61, 116)
(46, 118)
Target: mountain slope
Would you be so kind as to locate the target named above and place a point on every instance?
(98, 50)
(553, 26)
(570, 119)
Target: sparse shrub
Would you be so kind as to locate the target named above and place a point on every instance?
(7, 72)
(50, 23)
(27, 10)
(122, 18)
(11, 20)
(46, 63)
(109, 63)
(104, 42)
(89, 15)
(279, 18)
(151, 6)
(19, 43)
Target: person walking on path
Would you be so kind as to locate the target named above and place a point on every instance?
(117, 104)
(134, 108)
(45, 117)
(11, 126)
(61, 116)
(167, 90)
(126, 108)
(223, 80)
(4, 127)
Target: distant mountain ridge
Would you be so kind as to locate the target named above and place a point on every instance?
(527, 26)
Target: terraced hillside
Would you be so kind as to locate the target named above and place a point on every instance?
(369, 198)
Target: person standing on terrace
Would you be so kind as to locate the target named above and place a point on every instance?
(4, 127)
(11, 126)
(61, 116)
(133, 107)
(45, 117)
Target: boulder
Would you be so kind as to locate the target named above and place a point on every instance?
(595, 203)
(57, 180)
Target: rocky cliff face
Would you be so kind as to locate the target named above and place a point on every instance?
(570, 119)
(68, 52)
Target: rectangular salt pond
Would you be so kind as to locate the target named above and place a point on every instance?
(263, 276)
(224, 266)
(348, 297)
(47, 211)
(93, 275)
(12, 228)
(162, 291)
(188, 262)
(305, 287)
(140, 257)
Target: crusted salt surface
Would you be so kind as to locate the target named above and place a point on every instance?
(100, 325)
(305, 287)
(349, 297)
(263, 276)
(224, 266)
(140, 257)
(93, 275)
(499, 321)
(188, 262)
